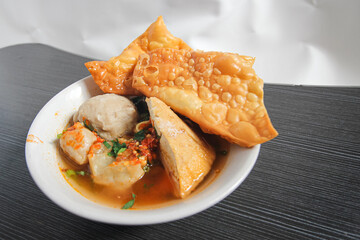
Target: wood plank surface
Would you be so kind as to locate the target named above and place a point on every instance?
(305, 184)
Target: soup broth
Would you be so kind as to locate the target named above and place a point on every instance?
(153, 190)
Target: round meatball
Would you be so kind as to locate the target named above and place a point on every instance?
(76, 142)
(111, 115)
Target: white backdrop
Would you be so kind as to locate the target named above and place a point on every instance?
(310, 42)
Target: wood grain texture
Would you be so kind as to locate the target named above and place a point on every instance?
(305, 184)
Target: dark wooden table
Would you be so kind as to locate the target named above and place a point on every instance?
(305, 184)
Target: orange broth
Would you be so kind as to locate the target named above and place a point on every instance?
(153, 190)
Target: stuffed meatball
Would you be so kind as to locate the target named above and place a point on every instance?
(76, 142)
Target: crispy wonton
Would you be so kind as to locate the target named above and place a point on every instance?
(115, 75)
(219, 91)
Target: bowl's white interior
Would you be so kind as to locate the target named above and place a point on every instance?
(42, 161)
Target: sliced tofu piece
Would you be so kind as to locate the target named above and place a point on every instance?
(121, 175)
(186, 157)
(76, 143)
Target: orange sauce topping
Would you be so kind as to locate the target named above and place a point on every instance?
(33, 139)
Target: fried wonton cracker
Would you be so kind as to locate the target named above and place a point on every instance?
(115, 75)
(219, 91)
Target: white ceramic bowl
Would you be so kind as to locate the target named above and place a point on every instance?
(42, 161)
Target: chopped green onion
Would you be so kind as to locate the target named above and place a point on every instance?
(107, 145)
(81, 173)
(130, 203)
(140, 135)
(60, 134)
(116, 148)
(70, 173)
(111, 154)
(121, 150)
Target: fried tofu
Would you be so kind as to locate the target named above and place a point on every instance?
(219, 91)
(186, 157)
(115, 75)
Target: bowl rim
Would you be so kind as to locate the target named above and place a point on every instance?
(132, 217)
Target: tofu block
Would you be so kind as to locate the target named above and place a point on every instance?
(187, 158)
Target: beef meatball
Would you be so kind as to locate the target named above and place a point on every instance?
(111, 115)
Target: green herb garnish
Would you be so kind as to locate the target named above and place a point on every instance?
(88, 126)
(70, 173)
(81, 173)
(140, 135)
(130, 203)
(117, 148)
(60, 134)
(107, 145)
(121, 150)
